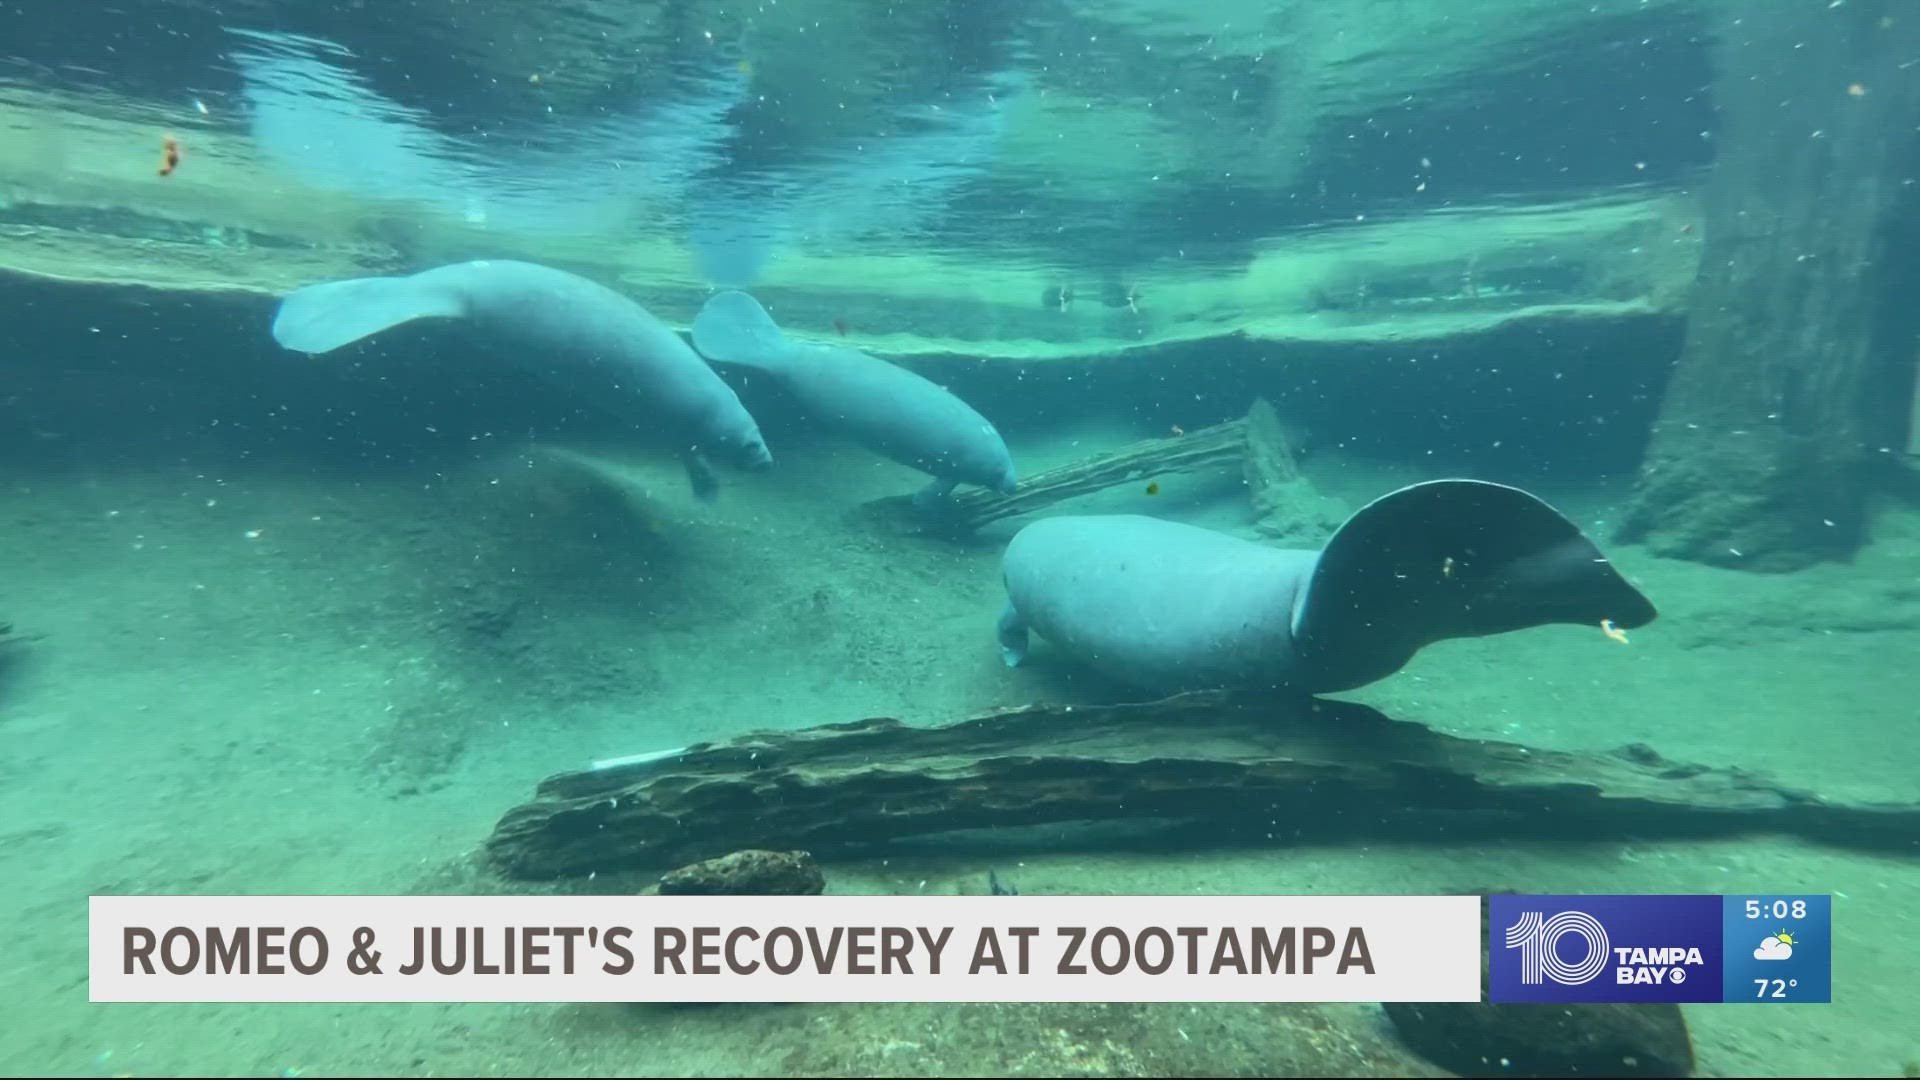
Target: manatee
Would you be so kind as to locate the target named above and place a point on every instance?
(884, 407)
(1168, 607)
(583, 335)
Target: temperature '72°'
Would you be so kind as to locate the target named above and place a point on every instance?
(1779, 987)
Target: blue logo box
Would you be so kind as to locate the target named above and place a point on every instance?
(1685, 948)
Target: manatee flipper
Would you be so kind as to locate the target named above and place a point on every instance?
(701, 475)
(1448, 559)
(1013, 636)
(321, 318)
(934, 495)
(733, 328)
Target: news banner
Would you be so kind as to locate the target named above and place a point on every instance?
(1756, 948)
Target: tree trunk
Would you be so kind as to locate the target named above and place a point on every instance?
(1798, 361)
(1250, 767)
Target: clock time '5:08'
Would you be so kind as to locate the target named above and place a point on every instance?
(1779, 909)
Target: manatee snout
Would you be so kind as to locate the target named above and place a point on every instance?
(990, 464)
(742, 446)
(753, 456)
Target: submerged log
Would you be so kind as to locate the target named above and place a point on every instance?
(1284, 500)
(1798, 362)
(970, 509)
(1312, 771)
(1287, 505)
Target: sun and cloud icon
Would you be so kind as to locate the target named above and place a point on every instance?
(1775, 947)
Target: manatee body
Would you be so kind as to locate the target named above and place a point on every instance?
(884, 407)
(1153, 602)
(576, 332)
(1168, 607)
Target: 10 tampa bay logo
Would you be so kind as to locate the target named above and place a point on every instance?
(1539, 940)
(1604, 948)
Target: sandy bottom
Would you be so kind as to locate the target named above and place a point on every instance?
(255, 679)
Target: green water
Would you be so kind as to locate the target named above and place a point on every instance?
(280, 624)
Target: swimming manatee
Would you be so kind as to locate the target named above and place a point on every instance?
(585, 337)
(1169, 607)
(891, 411)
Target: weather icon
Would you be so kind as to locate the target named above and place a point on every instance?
(1775, 947)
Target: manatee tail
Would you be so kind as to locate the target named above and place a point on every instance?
(732, 328)
(1448, 559)
(321, 318)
